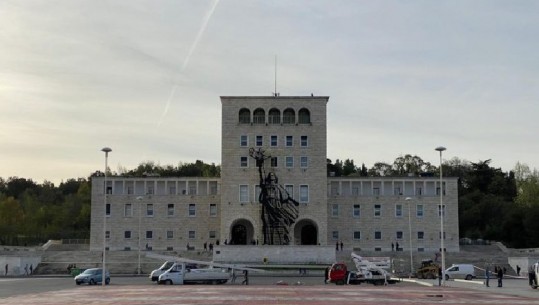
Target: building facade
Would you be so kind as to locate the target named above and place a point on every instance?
(374, 213)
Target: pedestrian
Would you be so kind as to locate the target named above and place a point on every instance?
(337, 246)
(500, 277)
(487, 275)
(246, 277)
(7, 267)
(326, 275)
(440, 276)
(205, 246)
(397, 246)
(26, 269)
(341, 245)
(518, 270)
(31, 269)
(392, 247)
(233, 280)
(211, 247)
(531, 275)
(226, 241)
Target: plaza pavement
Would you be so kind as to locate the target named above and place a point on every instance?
(269, 294)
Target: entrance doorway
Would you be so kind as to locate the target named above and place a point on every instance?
(241, 232)
(306, 232)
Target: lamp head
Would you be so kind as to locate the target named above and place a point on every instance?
(440, 148)
(106, 150)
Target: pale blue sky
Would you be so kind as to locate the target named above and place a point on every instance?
(144, 78)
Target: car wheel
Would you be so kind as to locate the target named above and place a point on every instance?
(78, 283)
(447, 277)
(168, 282)
(469, 277)
(91, 282)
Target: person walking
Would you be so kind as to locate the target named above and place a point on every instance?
(440, 276)
(31, 269)
(7, 267)
(518, 270)
(26, 269)
(487, 275)
(531, 275)
(246, 277)
(326, 275)
(337, 246)
(341, 245)
(500, 277)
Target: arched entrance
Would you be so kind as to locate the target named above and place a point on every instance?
(306, 232)
(241, 232)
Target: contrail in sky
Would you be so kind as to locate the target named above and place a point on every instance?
(186, 61)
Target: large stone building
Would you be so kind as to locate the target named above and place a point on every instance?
(367, 213)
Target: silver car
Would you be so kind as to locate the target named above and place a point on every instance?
(92, 276)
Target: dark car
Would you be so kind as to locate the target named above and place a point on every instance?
(92, 276)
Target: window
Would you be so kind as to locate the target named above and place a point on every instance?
(129, 190)
(257, 193)
(335, 235)
(289, 141)
(304, 161)
(170, 209)
(334, 210)
(398, 210)
(107, 209)
(304, 116)
(273, 161)
(399, 235)
(377, 210)
(418, 191)
(192, 190)
(191, 234)
(289, 162)
(259, 116)
(244, 162)
(397, 191)
(149, 210)
(376, 191)
(212, 234)
(149, 191)
(273, 141)
(172, 190)
(441, 235)
(304, 141)
(356, 211)
(107, 234)
(274, 116)
(259, 140)
(378, 235)
(304, 193)
(420, 235)
(192, 210)
(213, 209)
(441, 210)
(127, 234)
(244, 141)
(357, 235)
(128, 210)
(289, 116)
(244, 193)
(419, 210)
(377, 249)
(149, 234)
(438, 191)
(289, 189)
(170, 234)
(245, 116)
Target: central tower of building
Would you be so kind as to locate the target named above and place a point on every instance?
(291, 130)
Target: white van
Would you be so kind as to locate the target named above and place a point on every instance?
(460, 271)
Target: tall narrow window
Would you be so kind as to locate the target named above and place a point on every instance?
(304, 116)
(304, 161)
(170, 209)
(274, 116)
(334, 210)
(304, 193)
(377, 235)
(149, 234)
(244, 162)
(244, 141)
(356, 211)
(213, 209)
(259, 116)
(244, 116)
(289, 162)
(398, 210)
(289, 116)
(419, 210)
(274, 162)
(289, 189)
(107, 209)
(149, 210)
(274, 141)
(289, 141)
(441, 210)
(377, 210)
(357, 235)
(244, 193)
(192, 210)
(128, 210)
(259, 140)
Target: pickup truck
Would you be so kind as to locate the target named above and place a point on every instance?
(340, 275)
(180, 273)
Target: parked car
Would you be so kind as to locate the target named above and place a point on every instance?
(460, 271)
(92, 276)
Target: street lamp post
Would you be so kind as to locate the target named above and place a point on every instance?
(408, 199)
(442, 212)
(139, 199)
(106, 150)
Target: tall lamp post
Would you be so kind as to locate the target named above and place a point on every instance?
(139, 199)
(106, 150)
(442, 212)
(408, 199)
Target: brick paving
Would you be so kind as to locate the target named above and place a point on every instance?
(283, 295)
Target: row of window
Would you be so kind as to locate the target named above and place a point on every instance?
(355, 191)
(288, 188)
(171, 210)
(399, 235)
(377, 210)
(274, 141)
(274, 161)
(169, 234)
(274, 116)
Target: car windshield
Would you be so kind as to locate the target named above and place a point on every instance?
(92, 271)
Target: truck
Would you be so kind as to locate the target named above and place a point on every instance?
(370, 271)
(154, 275)
(182, 273)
